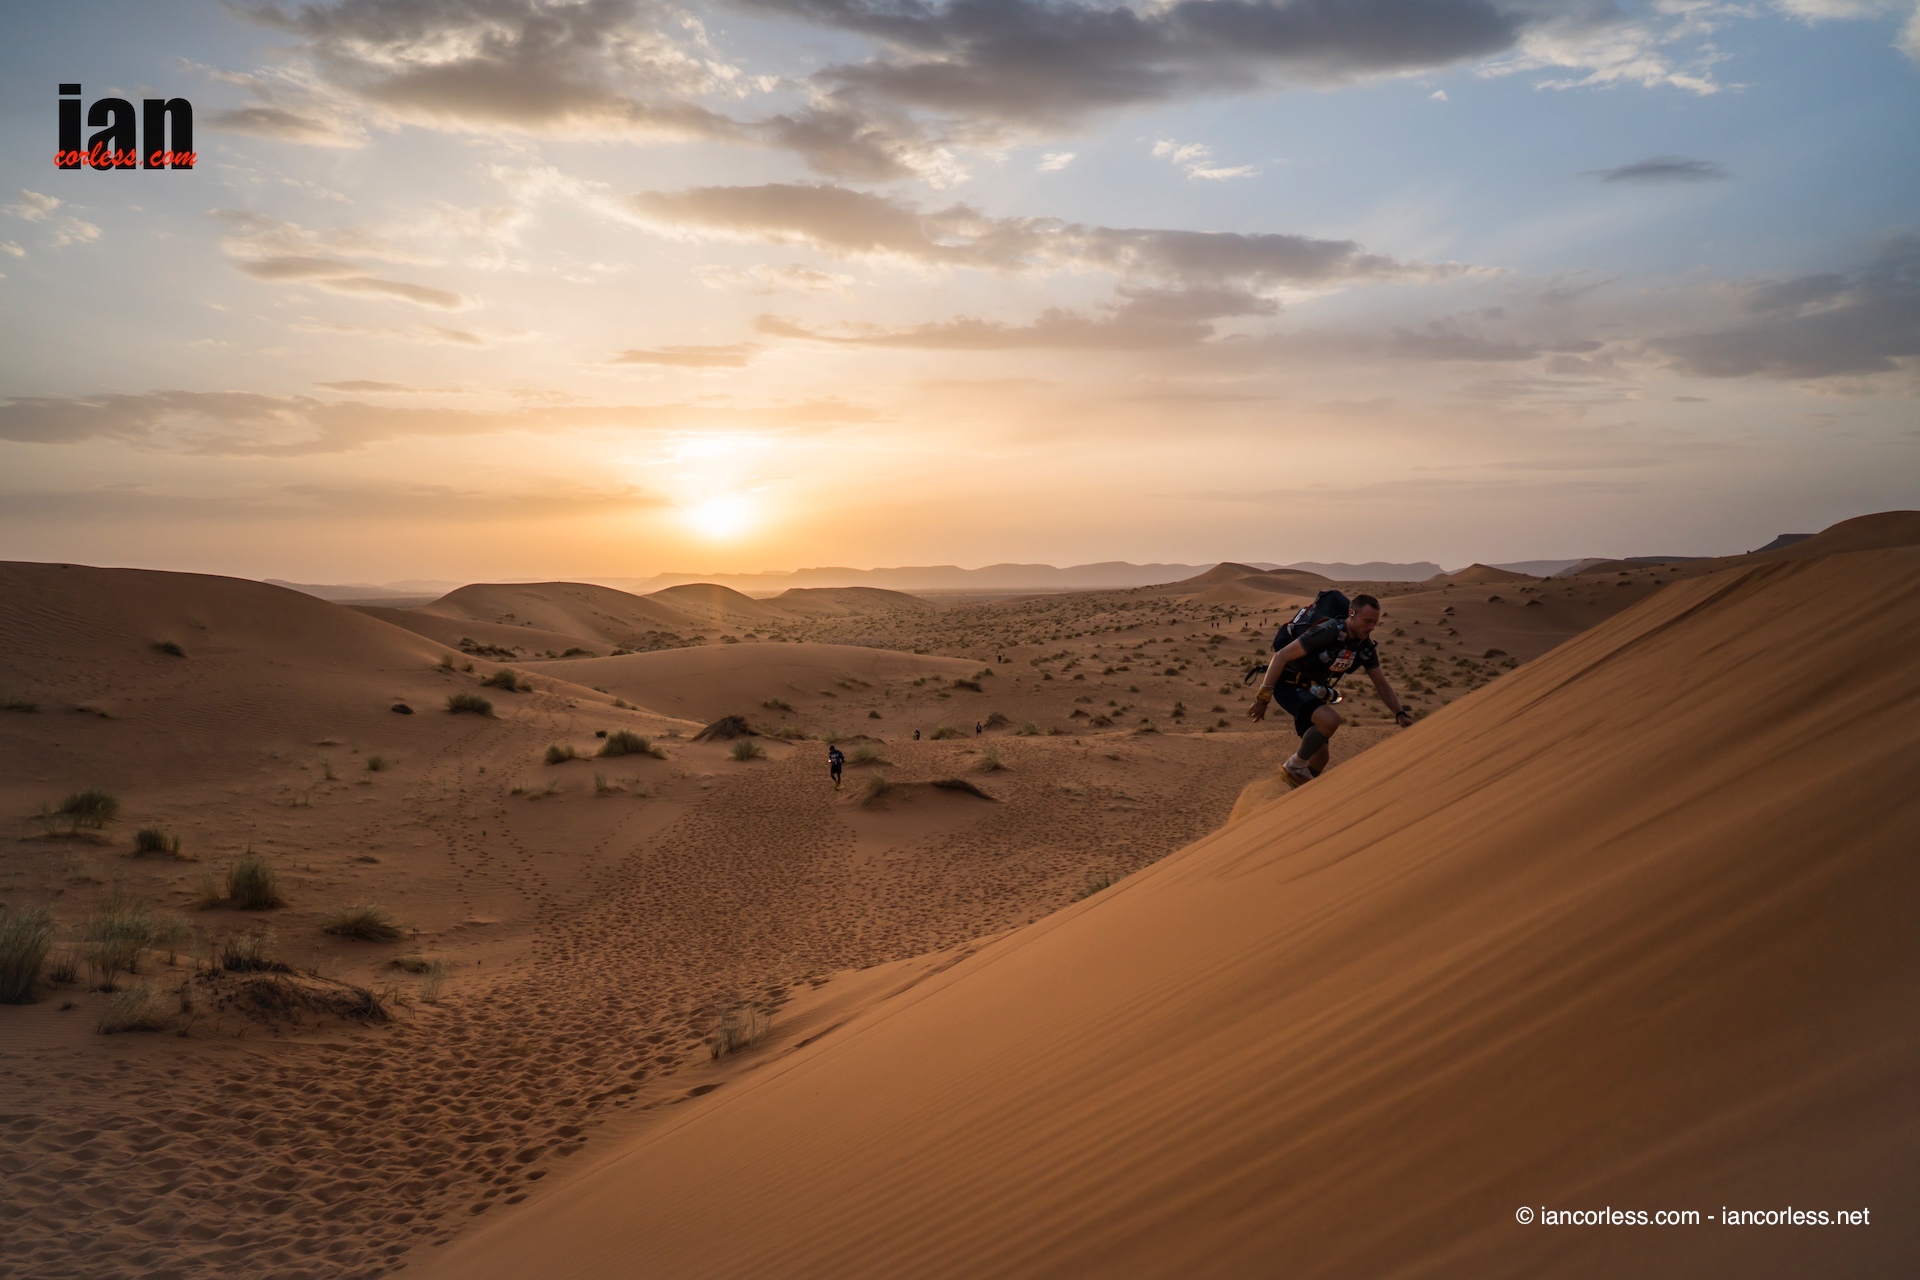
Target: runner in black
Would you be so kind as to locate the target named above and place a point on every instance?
(1303, 677)
(836, 760)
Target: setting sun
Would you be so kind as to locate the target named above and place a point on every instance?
(724, 517)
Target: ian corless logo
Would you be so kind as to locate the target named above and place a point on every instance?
(165, 126)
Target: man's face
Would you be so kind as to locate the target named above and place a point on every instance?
(1361, 622)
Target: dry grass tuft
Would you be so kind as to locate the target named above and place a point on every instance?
(1027, 730)
(92, 808)
(990, 762)
(154, 840)
(253, 885)
(25, 939)
(561, 752)
(1095, 883)
(138, 1008)
(867, 755)
(247, 953)
(509, 679)
(170, 647)
(378, 764)
(115, 935)
(470, 702)
(946, 731)
(748, 749)
(878, 787)
(625, 742)
(368, 922)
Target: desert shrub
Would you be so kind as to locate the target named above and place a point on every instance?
(138, 1008)
(509, 679)
(17, 703)
(945, 732)
(1095, 883)
(209, 894)
(778, 704)
(115, 935)
(866, 755)
(960, 784)
(154, 840)
(873, 715)
(410, 964)
(967, 684)
(877, 789)
(748, 749)
(378, 764)
(369, 922)
(170, 647)
(739, 1028)
(25, 939)
(1027, 730)
(561, 752)
(248, 953)
(90, 808)
(997, 721)
(64, 966)
(448, 662)
(253, 885)
(788, 733)
(991, 761)
(473, 702)
(624, 742)
(432, 979)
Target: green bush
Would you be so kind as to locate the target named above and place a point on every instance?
(253, 885)
(25, 939)
(473, 702)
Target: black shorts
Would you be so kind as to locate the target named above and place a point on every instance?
(1299, 703)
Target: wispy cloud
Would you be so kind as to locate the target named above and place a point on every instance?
(1663, 169)
(1195, 157)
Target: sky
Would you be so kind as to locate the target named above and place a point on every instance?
(523, 289)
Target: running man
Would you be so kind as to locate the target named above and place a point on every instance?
(836, 760)
(1303, 678)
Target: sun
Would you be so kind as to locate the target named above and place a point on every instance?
(727, 516)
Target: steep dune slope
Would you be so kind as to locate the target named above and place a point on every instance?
(840, 602)
(717, 605)
(568, 608)
(1632, 927)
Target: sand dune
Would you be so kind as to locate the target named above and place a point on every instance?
(714, 604)
(815, 602)
(708, 682)
(598, 614)
(1632, 927)
(523, 642)
(1476, 574)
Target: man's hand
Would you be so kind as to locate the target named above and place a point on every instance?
(1258, 711)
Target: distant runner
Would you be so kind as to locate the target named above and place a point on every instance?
(1303, 678)
(836, 760)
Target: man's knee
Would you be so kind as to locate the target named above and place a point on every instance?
(1327, 719)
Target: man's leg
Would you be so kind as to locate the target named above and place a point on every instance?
(1313, 754)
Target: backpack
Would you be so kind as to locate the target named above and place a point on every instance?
(1329, 604)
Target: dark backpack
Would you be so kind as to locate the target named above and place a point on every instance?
(1328, 605)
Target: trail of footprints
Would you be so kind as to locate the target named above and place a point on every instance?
(331, 1160)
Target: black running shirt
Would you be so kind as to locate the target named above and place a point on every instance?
(1331, 653)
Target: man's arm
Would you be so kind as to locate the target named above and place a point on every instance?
(1387, 695)
(1264, 694)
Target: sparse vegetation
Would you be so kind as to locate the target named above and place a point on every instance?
(624, 742)
(92, 808)
(410, 964)
(448, 662)
(138, 1008)
(778, 704)
(154, 840)
(748, 749)
(378, 764)
(432, 979)
(248, 952)
(740, 1028)
(561, 752)
(945, 732)
(960, 784)
(25, 939)
(878, 787)
(1095, 883)
(990, 761)
(601, 787)
(253, 885)
(368, 922)
(867, 755)
(967, 684)
(1027, 730)
(170, 647)
(509, 679)
(115, 935)
(16, 703)
(472, 702)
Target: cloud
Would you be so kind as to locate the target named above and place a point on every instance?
(33, 206)
(283, 252)
(854, 224)
(434, 334)
(1438, 95)
(1856, 323)
(1042, 63)
(1139, 320)
(734, 356)
(1054, 161)
(1193, 157)
(74, 231)
(591, 68)
(282, 125)
(764, 277)
(12, 249)
(249, 424)
(1663, 169)
(418, 502)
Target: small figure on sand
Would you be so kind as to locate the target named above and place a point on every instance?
(916, 735)
(836, 761)
(1322, 643)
